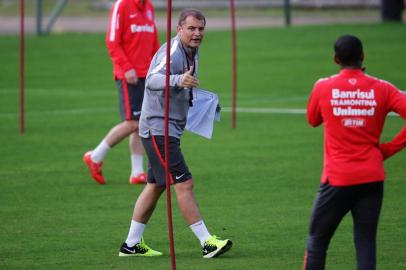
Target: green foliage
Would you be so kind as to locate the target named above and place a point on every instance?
(255, 184)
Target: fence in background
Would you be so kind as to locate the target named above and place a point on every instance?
(161, 4)
(90, 15)
(269, 3)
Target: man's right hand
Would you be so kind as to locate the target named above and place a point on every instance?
(188, 81)
(131, 76)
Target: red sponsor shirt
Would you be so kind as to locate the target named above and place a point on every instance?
(132, 37)
(353, 106)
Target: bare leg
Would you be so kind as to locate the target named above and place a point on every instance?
(146, 202)
(136, 146)
(121, 131)
(137, 155)
(187, 202)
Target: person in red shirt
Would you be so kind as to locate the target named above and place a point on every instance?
(352, 106)
(132, 40)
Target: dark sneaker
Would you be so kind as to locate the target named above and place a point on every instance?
(140, 249)
(214, 247)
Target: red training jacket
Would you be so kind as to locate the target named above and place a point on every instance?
(132, 37)
(352, 107)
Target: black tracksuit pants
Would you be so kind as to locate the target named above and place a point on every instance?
(332, 204)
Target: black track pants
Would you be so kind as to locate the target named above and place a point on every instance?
(331, 205)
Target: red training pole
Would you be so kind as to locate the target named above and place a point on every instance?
(167, 172)
(22, 66)
(234, 56)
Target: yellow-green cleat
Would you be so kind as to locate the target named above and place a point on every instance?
(214, 247)
(139, 249)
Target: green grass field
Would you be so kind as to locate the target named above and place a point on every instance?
(254, 184)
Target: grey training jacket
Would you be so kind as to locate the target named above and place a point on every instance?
(153, 107)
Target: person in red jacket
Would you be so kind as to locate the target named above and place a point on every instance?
(352, 106)
(132, 40)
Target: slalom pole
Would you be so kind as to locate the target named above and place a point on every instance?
(234, 57)
(22, 34)
(167, 171)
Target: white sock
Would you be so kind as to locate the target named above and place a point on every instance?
(100, 152)
(135, 233)
(137, 165)
(200, 230)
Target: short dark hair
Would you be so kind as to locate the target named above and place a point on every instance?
(191, 12)
(348, 49)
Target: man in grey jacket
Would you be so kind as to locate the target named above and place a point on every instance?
(183, 74)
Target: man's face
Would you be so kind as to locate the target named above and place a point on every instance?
(191, 32)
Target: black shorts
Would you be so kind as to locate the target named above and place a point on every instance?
(154, 147)
(130, 98)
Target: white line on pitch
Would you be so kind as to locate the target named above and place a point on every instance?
(105, 110)
(266, 110)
